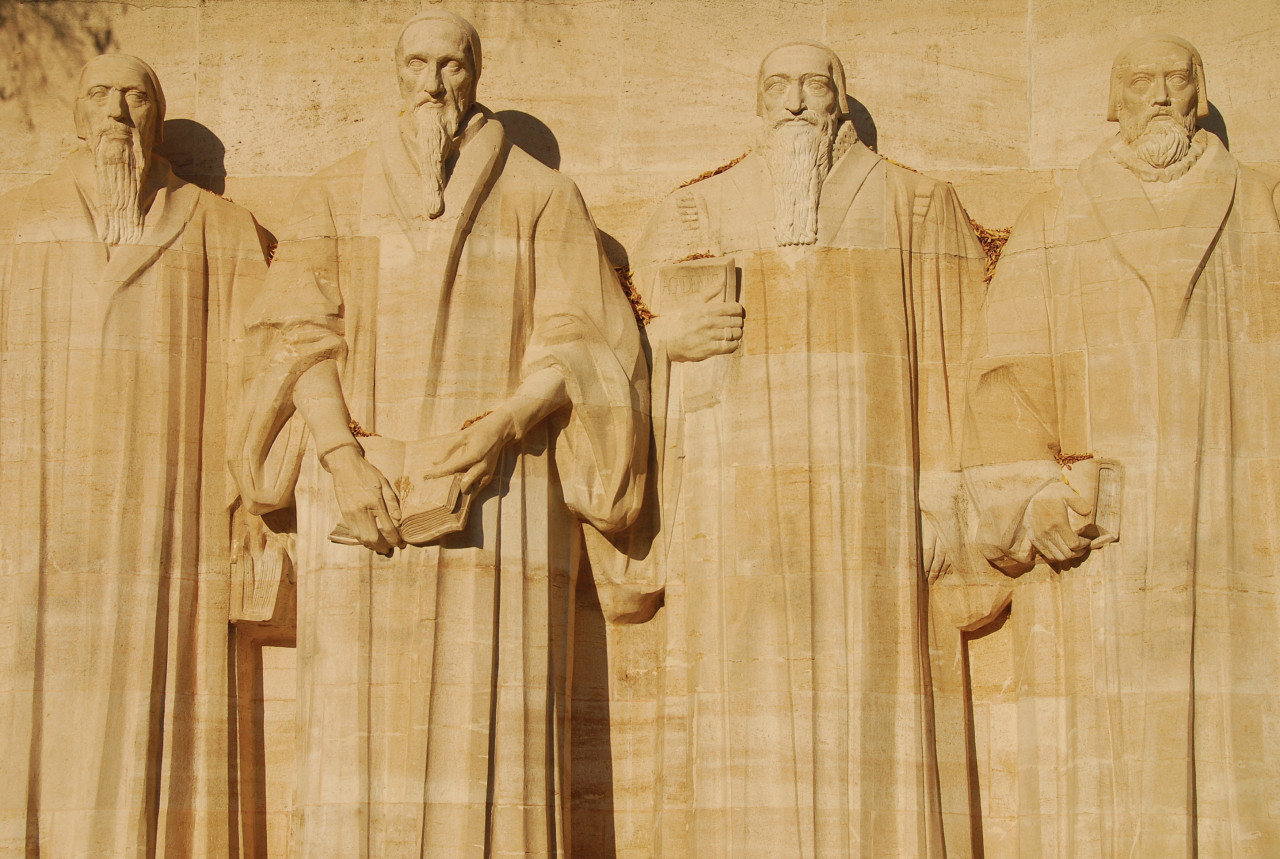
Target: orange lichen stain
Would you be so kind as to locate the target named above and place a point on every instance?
(1066, 460)
(715, 172)
(992, 241)
(638, 307)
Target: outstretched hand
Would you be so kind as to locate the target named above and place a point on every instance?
(474, 452)
(1049, 526)
(699, 332)
(368, 503)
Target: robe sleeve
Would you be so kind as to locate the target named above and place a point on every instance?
(583, 326)
(1011, 431)
(947, 266)
(295, 324)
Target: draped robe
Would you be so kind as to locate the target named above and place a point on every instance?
(1148, 676)
(432, 683)
(114, 396)
(794, 707)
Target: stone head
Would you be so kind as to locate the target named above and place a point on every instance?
(800, 81)
(438, 62)
(1157, 80)
(119, 96)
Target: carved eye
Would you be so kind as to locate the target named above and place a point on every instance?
(452, 67)
(775, 86)
(1177, 79)
(1140, 82)
(98, 93)
(137, 97)
(416, 64)
(817, 85)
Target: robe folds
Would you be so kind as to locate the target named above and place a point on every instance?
(1140, 324)
(433, 683)
(794, 707)
(117, 378)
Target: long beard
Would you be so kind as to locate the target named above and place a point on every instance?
(799, 158)
(1159, 141)
(435, 139)
(121, 167)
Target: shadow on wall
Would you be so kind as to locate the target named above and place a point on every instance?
(863, 123)
(1216, 124)
(196, 153)
(532, 135)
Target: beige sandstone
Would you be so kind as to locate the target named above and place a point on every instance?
(630, 98)
(1132, 321)
(122, 294)
(444, 289)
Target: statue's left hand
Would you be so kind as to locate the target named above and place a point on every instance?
(474, 451)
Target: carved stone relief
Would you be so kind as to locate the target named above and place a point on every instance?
(436, 537)
(1122, 455)
(122, 294)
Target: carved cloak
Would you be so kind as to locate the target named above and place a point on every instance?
(116, 384)
(1148, 675)
(432, 684)
(794, 708)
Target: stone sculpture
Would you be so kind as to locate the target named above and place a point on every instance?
(1124, 430)
(121, 296)
(443, 289)
(808, 303)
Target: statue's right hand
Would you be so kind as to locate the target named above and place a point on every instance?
(699, 332)
(1049, 524)
(368, 503)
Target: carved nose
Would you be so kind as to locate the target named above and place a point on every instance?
(116, 108)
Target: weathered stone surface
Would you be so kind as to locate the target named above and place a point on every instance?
(629, 99)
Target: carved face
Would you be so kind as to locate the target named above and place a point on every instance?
(116, 101)
(797, 86)
(1159, 90)
(435, 67)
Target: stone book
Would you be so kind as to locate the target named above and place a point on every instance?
(430, 507)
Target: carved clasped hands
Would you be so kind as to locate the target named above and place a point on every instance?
(368, 503)
(699, 332)
(1048, 522)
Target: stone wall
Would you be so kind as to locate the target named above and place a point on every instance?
(630, 98)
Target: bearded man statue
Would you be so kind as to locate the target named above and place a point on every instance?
(122, 290)
(443, 290)
(1123, 450)
(803, 415)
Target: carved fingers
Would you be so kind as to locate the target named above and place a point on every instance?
(700, 332)
(473, 452)
(1049, 524)
(367, 500)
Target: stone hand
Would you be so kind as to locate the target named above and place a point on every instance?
(699, 332)
(1048, 522)
(368, 503)
(474, 451)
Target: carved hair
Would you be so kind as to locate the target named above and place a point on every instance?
(837, 74)
(1122, 63)
(153, 82)
(463, 25)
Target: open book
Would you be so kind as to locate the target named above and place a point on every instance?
(430, 508)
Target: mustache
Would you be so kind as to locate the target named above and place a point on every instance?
(809, 116)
